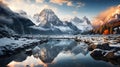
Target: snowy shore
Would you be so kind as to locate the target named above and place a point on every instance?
(9, 46)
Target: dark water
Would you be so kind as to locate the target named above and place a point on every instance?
(56, 53)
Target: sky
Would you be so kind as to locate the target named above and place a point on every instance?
(63, 8)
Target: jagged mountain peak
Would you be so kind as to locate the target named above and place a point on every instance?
(77, 20)
(47, 18)
(76, 17)
(47, 11)
(86, 20)
(47, 14)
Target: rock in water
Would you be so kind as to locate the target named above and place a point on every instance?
(109, 55)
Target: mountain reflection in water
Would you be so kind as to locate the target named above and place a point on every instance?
(55, 53)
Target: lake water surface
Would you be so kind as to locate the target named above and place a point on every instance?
(56, 53)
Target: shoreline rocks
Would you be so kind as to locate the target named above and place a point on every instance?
(14, 48)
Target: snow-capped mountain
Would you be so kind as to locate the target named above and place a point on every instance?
(25, 15)
(47, 18)
(48, 21)
(110, 15)
(82, 24)
(77, 20)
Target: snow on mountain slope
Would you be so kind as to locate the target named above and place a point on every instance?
(77, 20)
(48, 21)
(47, 18)
(82, 24)
(110, 15)
(107, 20)
(54, 29)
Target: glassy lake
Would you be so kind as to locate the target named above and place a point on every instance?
(56, 53)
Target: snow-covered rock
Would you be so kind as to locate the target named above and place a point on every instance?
(77, 20)
(10, 44)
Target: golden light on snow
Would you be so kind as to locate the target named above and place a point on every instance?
(107, 15)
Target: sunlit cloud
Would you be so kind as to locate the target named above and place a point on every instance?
(49, 7)
(32, 7)
(69, 3)
(28, 7)
(3, 2)
(107, 16)
(60, 2)
(39, 1)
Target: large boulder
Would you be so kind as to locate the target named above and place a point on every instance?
(109, 54)
(92, 47)
(104, 46)
(97, 53)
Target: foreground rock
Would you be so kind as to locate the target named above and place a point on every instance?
(108, 56)
(104, 46)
